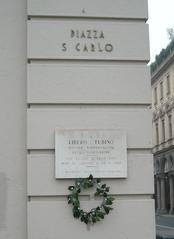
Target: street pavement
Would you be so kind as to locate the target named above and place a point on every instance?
(165, 226)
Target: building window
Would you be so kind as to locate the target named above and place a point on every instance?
(168, 84)
(163, 130)
(170, 126)
(155, 95)
(161, 90)
(157, 133)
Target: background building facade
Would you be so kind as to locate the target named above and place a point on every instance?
(162, 81)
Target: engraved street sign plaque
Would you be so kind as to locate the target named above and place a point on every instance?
(77, 39)
(102, 153)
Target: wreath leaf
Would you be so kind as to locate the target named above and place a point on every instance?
(95, 214)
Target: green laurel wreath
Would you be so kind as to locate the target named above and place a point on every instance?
(95, 214)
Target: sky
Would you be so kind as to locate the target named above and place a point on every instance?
(161, 17)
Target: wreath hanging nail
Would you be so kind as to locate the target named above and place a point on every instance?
(95, 214)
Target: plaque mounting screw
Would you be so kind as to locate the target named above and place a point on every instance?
(83, 10)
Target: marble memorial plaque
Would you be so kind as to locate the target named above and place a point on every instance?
(79, 153)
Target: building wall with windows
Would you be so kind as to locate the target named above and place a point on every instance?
(162, 81)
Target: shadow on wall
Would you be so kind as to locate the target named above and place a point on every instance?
(3, 200)
(163, 237)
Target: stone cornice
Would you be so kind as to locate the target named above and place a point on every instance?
(158, 152)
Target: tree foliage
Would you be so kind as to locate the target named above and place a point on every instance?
(170, 32)
(162, 56)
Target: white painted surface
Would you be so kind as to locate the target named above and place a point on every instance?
(13, 188)
(139, 181)
(54, 218)
(43, 122)
(88, 83)
(90, 8)
(80, 153)
(70, 90)
(132, 218)
(129, 40)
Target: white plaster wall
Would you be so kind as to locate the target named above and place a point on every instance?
(91, 8)
(13, 119)
(80, 90)
(43, 211)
